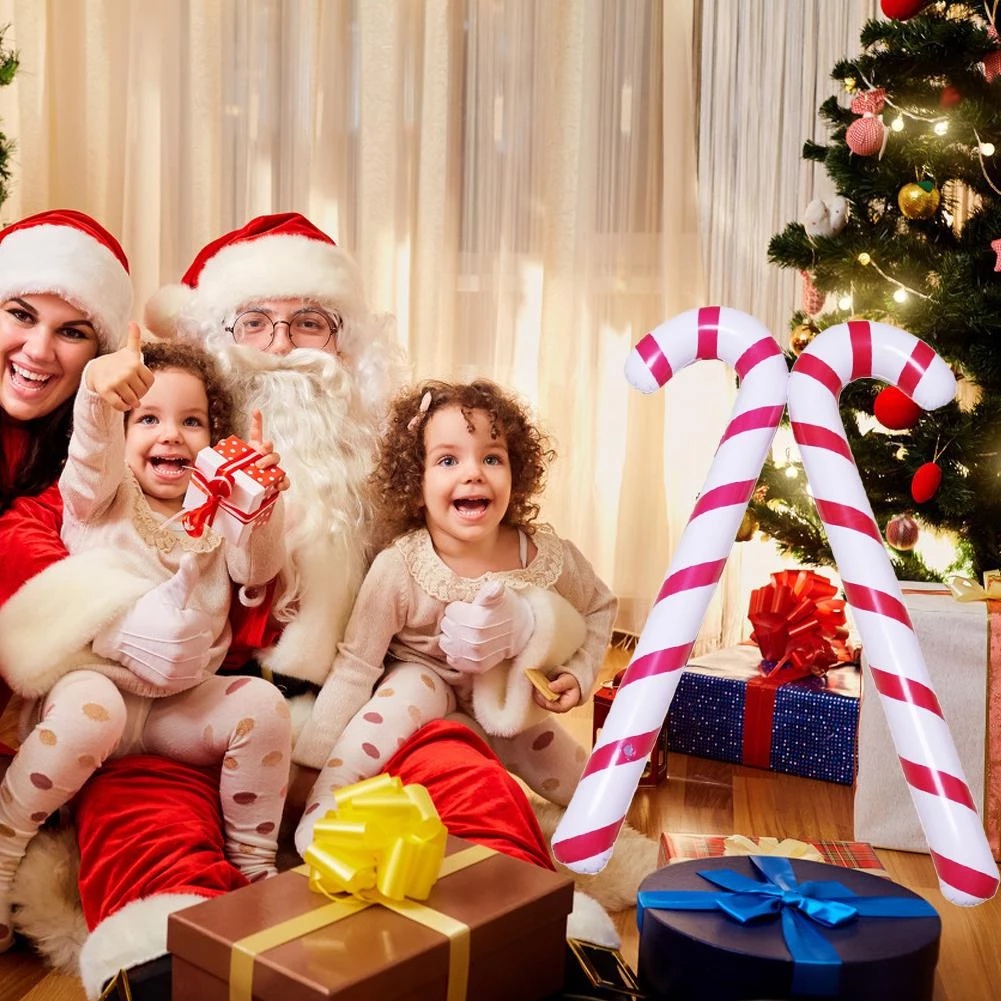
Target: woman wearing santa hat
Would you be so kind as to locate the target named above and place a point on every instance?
(65, 297)
(281, 306)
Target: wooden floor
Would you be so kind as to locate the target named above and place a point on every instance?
(712, 797)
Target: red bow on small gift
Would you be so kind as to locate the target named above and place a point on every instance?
(216, 491)
(798, 622)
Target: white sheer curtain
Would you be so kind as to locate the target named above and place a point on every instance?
(517, 178)
(764, 71)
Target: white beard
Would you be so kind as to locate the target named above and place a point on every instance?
(326, 436)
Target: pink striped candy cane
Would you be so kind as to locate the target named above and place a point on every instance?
(860, 349)
(584, 838)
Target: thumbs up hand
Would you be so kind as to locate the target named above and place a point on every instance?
(496, 625)
(159, 639)
(121, 378)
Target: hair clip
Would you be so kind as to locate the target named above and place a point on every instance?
(424, 407)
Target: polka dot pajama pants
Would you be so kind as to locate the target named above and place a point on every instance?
(545, 756)
(241, 722)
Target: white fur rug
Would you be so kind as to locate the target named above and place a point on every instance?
(634, 858)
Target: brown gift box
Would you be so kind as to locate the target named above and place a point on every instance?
(516, 913)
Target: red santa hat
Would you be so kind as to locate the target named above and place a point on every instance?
(67, 253)
(280, 256)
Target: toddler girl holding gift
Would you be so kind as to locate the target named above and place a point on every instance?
(458, 470)
(121, 691)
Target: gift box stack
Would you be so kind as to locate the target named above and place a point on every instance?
(228, 492)
(789, 702)
(389, 907)
(959, 631)
(752, 927)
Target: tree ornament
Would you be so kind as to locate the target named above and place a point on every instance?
(919, 199)
(950, 97)
(902, 532)
(992, 61)
(925, 482)
(800, 336)
(866, 136)
(813, 298)
(895, 410)
(996, 247)
(748, 526)
(901, 10)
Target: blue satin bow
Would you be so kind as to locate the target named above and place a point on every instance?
(801, 906)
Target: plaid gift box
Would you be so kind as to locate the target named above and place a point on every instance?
(228, 492)
(849, 854)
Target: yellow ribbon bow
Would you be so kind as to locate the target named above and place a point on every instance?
(964, 589)
(738, 844)
(383, 835)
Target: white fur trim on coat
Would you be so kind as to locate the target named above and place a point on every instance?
(46, 628)
(135, 934)
(502, 697)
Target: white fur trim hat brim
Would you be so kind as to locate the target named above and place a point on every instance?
(67, 262)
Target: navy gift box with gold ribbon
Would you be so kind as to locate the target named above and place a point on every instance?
(735, 928)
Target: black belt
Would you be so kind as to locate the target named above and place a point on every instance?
(289, 687)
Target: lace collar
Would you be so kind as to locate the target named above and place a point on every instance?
(150, 525)
(442, 582)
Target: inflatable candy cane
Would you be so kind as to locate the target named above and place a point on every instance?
(860, 349)
(584, 838)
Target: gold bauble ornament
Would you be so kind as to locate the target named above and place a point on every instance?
(800, 336)
(919, 199)
(748, 526)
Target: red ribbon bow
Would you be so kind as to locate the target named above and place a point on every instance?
(798, 622)
(870, 102)
(216, 491)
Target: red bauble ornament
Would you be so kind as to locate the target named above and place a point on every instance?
(902, 532)
(926, 481)
(901, 10)
(950, 97)
(866, 136)
(895, 410)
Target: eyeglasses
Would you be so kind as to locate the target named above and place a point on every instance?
(307, 328)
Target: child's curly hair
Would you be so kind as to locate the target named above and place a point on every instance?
(187, 357)
(397, 481)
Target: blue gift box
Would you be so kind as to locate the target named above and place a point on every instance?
(738, 928)
(814, 731)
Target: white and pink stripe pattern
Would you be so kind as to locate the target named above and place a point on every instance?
(856, 350)
(584, 839)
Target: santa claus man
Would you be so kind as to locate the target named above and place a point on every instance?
(282, 308)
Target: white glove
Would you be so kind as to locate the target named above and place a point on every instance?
(496, 625)
(160, 640)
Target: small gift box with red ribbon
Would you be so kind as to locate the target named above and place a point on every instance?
(228, 492)
(790, 703)
(958, 626)
(387, 906)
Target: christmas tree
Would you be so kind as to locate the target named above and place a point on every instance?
(912, 238)
(8, 67)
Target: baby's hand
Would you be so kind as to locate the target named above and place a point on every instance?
(269, 457)
(568, 690)
(121, 378)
